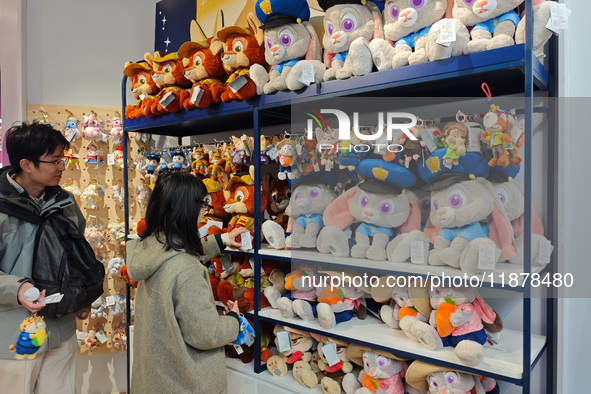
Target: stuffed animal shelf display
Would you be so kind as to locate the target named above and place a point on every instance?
(143, 87)
(379, 204)
(542, 14)
(169, 76)
(204, 68)
(292, 48)
(349, 26)
(243, 47)
(382, 372)
(430, 378)
(31, 338)
(414, 26)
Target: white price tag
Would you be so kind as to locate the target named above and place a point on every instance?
(545, 252)
(167, 99)
(284, 341)
(143, 96)
(111, 159)
(308, 74)
(246, 240)
(238, 83)
(196, 96)
(110, 301)
(80, 335)
(316, 166)
(53, 299)
(473, 143)
(447, 32)
(226, 263)
(203, 230)
(100, 335)
(487, 257)
(249, 341)
(418, 252)
(429, 139)
(558, 17)
(238, 349)
(330, 353)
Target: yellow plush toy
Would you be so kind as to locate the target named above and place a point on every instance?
(31, 338)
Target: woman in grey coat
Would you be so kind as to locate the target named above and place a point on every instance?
(179, 336)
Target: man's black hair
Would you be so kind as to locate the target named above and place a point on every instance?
(32, 141)
(173, 212)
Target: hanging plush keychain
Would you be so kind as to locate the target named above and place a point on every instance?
(32, 336)
(499, 134)
(116, 131)
(71, 131)
(73, 159)
(178, 160)
(92, 128)
(94, 155)
(286, 158)
(93, 194)
(70, 187)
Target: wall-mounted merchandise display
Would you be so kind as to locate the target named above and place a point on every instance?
(374, 243)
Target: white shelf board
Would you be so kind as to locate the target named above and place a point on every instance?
(366, 265)
(507, 363)
(287, 382)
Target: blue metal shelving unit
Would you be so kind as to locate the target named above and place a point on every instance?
(464, 73)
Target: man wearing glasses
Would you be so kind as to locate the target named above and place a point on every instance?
(30, 188)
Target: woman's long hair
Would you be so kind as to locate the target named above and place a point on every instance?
(173, 212)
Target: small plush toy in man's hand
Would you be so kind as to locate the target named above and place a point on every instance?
(31, 338)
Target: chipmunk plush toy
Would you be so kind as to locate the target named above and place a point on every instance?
(291, 44)
(169, 76)
(200, 161)
(349, 26)
(243, 47)
(142, 87)
(31, 338)
(300, 351)
(331, 376)
(217, 215)
(410, 25)
(204, 68)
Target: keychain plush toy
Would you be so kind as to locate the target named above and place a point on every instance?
(291, 45)
(454, 136)
(97, 310)
(31, 338)
(142, 193)
(286, 156)
(116, 131)
(71, 131)
(93, 194)
(178, 160)
(94, 156)
(91, 128)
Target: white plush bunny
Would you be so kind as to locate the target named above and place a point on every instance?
(413, 27)
(348, 28)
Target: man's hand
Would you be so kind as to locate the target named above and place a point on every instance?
(83, 313)
(32, 306)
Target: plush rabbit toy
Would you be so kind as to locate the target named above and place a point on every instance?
(291, 44)
(408, 24)
(467, 208)
(379, 204)
(349, 26)
(493, 22)
(430, 378)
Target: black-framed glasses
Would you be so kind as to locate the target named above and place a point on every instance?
(205, 205)
(60, 162)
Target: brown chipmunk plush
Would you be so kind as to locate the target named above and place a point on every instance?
(142, 87)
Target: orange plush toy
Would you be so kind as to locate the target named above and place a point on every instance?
(215, 198)
(169, 76)
(204, 68)
(142, 87)
(243, 47)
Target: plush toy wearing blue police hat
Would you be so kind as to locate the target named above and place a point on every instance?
(379, 204)
(291, 46)
(178, 160)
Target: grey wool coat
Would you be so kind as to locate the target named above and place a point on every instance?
(178, 334)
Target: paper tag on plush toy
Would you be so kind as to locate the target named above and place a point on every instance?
(80, 335)
(53, 299)
(545, 252)
(249, 340)
(473, 142)
(238, 83)
(142, 96)
(203, 230)
(447, 32)
(284, 341)
(100, 335)
(226, 262)
(308, 74)
(110, 301)
(487, 257)
(246, 240)
(429, 139)
(167, 99)
(330, 353)
(316, 166)
(111, 159)
(238, 349)
(196, 96)
(558, 17)
(418, 252)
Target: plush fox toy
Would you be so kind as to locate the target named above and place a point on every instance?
(142, 87)
(243, 47)
(169, 76)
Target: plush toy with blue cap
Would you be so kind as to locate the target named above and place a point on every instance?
(413, 26)
(349, 26)
(291, 44)
(178, 160)
(467, 209)
(377, 206)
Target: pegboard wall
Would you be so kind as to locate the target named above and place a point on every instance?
(105, 213)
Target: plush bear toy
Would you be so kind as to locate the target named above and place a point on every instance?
(142, 87)
(408, 25)
(169, 76)
(493, 22)
(430, 378)
(291, 44)
(349, 26)
(243, 47)
(541, 33)
(32, 336)
(382, 372)
(379, 204)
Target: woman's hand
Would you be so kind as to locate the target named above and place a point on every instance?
(235, 233)
(232, 306)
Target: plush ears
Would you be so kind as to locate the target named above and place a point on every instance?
(314, 49)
